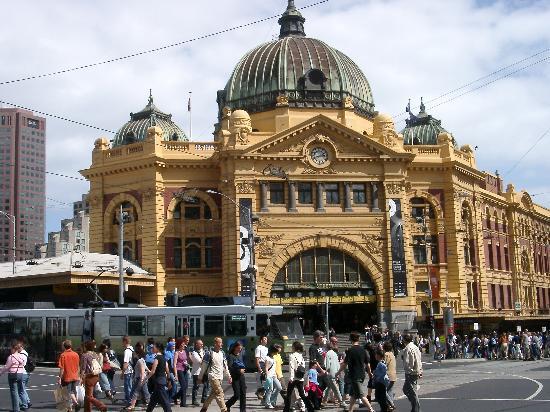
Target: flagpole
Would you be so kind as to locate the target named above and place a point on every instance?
(190, 117)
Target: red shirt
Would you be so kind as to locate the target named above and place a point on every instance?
(69, 361)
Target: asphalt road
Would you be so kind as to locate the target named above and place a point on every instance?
(449, 386)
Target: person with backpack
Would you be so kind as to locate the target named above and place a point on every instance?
(114, 363)
(29, 368)
(297, 369)
(159, 376)
(105, 368)
(214, 369)
(90, 368)
(15, 365)
(127, 369)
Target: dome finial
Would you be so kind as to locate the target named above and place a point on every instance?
(150, 97)
(292, 22)
(422, 106)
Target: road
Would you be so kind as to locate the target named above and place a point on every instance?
(455, 385)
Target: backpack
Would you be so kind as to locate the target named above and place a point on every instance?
(96, 367)
(30, 366)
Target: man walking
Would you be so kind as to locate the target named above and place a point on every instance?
(215, 369)
(412, 364)
(69, 372)
(260, 355)
(197, 357)
(127, 369)
(357, 362)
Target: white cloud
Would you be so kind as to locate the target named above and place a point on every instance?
(406, 49)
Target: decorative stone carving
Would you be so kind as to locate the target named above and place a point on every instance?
(373, 244)
(282, 100)
(348, 103)
(240, 126)
(245, 187)
(226, 112)
(379, 221)
(384, 130)
(101, 144)
(326, 171)
(395, 188)
(262, 223)
(267, 247)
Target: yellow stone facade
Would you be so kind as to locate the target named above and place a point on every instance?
(150, 176)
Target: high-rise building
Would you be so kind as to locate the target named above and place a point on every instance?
(22, 181)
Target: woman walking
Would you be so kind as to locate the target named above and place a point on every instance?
(181, 369)
(105, 370)
(139, 385)
(113, 363)
(389, 359)
(15, 365)
(272, 385)
(238, 381)
(159, 374)
(90, 367)
(296, 379)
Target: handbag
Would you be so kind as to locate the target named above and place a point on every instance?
(80, 393)
(114, 364)
(300, 372)
(62, 397)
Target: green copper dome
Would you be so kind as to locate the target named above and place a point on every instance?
(136, 129)
(307, 71)
(422, 129)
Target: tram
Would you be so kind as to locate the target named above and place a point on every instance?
(46, 329)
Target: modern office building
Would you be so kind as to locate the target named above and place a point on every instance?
(22, 182)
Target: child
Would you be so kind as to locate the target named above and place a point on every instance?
(381, 381)
(312, 389)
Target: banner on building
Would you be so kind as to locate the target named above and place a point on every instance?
(434, 282)
(246, 245)
(399, 269)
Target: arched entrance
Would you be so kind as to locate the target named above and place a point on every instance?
(319, 275)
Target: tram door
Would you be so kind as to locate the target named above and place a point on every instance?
(188, 325)
(56, 333)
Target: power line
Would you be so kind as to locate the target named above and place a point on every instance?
(154, 50)
(481, 78)
(542, 136)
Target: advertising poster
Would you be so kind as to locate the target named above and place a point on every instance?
(399, 268)
(434, 282)
(246, 246)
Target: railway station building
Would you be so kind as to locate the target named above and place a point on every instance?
(350, 211)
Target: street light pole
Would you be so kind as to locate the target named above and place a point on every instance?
(12, 219)
(251, 240)
(121, 257)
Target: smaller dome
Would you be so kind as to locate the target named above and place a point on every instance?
(136, 129)
(240, 114)
(383, 118)
(422, 129)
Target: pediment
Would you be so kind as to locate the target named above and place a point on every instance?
(346, 143)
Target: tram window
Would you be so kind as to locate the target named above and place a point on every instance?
(35, 326)
(155, 325)
(117, 325)
(19, 325)
(213, 326)
(262, 325)
(136, 326)
(6, 326)
(235, 325)
(76, 325)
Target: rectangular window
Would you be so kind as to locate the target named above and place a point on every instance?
(493, 295)
(509, 292)
(235, 325)
(136, 326)
(499, 263)
(322, 265)
(434, 249)
(213, 326)
(177, 253)
(308, 267)
(506, 259)
(469, 293)
(293, 271)
(475, 294)
(35, 326)
(359, 193)
(208, 247)
(192, 212)
(20, 325)
(501, 296)
(193, 253)
(117, 325)
(6, 326)
(155, 325)
(336, 266)
(422, 286)
(491, 260)
(305, 193)
(467, 260)
(76, 325)
(276, 193)
(332, 193)
(419, 250)
(351, 272)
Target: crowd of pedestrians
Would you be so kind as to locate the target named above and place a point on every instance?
(19, 366)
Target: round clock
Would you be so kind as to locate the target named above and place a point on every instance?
(319, 155)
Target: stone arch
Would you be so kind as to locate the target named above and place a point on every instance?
(205, 197)
(352, 248)
(117, 200)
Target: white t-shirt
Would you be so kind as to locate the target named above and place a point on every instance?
(128, 353)
(270, 367)
(261, 353)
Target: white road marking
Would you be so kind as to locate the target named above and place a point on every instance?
(477, 399)
(539, 389)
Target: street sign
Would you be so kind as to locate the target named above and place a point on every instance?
(476, 326)
(517, 306)
(518, 328)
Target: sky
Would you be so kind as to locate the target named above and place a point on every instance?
(407, 49)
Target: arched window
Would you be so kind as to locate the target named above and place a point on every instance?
(192, 210)
(495, 217)
(504, 224)
(128, 211)
(488, 218)
(419, 206)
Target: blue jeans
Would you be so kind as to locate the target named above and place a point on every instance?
(272, 388)
(104, 382)
(183, 379)
(172, 393)
(128, 387)
(15, 380)
(24, 399)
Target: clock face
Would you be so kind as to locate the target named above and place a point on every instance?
(319, 155)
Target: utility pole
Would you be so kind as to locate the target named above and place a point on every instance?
(121, 257)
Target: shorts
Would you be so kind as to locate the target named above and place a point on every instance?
(356, 389)
(71, 386)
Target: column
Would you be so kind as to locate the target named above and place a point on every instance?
(263, 197)
(320, 195)
(292, 197)
(374, 197)
(347, 197)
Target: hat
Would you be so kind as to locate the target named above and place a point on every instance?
(170, 345)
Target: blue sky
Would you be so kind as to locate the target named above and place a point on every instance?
(406, 49)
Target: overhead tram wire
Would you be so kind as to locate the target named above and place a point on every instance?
(156, 49)
(542, 136)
